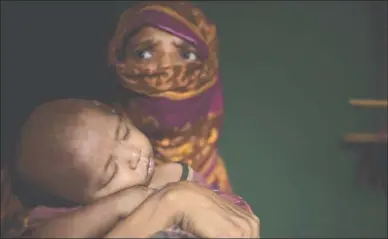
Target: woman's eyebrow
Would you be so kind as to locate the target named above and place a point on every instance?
(185, 45)
(144, 43)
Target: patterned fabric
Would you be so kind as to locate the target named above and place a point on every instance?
(173, 232)
(179, 108)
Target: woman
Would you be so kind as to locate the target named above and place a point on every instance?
(164, 55)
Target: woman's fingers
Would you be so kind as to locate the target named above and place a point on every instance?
(248, 224)
(241, 226)
(242, 223)
(226, 221)
(246, 221)
(209, 215)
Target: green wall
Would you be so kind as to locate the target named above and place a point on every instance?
(288, 71)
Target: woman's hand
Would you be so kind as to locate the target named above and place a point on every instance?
(205, 214)
(194, 208)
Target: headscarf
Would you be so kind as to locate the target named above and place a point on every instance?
(181, 19)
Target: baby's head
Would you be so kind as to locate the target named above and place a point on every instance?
(82, 150)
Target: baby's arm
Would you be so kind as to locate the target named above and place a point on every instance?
(93, 220)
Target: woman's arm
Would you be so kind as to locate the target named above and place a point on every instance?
(92, 220)
(194, 208)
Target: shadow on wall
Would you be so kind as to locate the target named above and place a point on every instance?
(51, 50)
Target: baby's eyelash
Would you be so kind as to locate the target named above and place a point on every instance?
(127, 132)
(116, 168)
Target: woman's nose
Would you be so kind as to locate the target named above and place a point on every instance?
(167, 59)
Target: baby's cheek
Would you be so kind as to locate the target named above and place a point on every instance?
(140, 140)
(128, 178)
(125, 178)
(114, 186)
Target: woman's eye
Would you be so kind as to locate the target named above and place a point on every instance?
(144, 54)
(190, 56)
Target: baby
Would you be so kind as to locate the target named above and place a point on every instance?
(76, 152)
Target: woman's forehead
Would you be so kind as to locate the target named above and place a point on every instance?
(150, 32)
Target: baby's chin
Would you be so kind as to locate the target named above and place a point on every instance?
(147, 181)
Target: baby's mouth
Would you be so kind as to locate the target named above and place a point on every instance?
(150, 166)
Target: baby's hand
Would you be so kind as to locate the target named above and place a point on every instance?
(166, 173)
(127, 200)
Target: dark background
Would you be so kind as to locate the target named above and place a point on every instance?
(289, 69)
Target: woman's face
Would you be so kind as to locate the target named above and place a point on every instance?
(122, 155)
(154, 49)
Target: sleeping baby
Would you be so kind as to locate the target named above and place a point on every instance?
(87, 168)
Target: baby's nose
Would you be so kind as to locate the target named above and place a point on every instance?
(130, 155)
(134, 159)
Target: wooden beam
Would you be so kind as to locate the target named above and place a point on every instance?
(369, 103)
(365, 138)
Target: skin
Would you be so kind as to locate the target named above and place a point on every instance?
(122, 191)
(154, 49)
